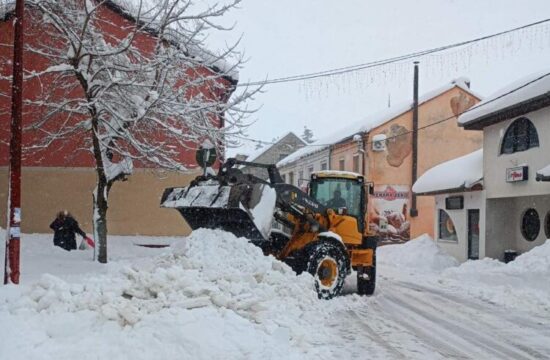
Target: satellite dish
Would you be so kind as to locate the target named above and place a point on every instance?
(206, 154)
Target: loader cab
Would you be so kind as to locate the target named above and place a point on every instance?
(342, 191)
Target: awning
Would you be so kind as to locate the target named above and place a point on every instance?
(457, 175)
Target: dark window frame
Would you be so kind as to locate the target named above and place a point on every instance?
(547, 225)
(521, 135)
(530, 227)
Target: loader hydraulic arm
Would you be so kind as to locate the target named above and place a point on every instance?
(290, 199)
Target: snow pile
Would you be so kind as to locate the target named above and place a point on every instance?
(459, 173)
(522, 283)
(212, 289)
(418, 255)
(262, 212)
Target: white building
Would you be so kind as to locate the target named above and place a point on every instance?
(515, 204)
(298, 166)
(457, 186)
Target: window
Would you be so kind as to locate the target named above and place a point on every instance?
(291, 178)
(342, 165)
(356, 163)
(283, 176)
(520, 136)
(530, 224)
(309, 171)
(324, 166)
(447, 229)
(547, 225)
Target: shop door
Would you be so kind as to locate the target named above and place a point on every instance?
(473, 234)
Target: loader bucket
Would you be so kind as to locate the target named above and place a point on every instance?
(244, 210)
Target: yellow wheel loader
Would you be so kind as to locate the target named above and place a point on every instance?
(327, 233)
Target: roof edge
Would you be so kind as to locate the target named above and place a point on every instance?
(512, 111)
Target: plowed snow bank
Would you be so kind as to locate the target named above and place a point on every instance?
(417, 255)
(212, 295)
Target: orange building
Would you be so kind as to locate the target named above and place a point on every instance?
(382, 150)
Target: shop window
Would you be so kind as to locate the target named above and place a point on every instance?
(447, 229)
(547, 225)
(530, 224)
(521, 135)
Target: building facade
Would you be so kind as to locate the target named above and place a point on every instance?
(457, 186)
(62, 176)
(516, 127)
(514, 206)
(272, 154)
(297, 168)
(383, 151)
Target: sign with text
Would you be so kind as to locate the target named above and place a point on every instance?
(388, 215)
(518, 173)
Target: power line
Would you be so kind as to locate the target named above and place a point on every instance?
(352, 68)
(432, 124)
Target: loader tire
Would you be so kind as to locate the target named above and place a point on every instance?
(327, 263)
(366, 286)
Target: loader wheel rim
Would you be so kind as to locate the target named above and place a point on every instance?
(327, 271)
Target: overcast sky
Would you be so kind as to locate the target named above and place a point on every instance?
(288, 37)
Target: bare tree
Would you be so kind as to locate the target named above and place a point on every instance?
(137, 89)
(307, 135)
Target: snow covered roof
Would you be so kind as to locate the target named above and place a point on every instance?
(455, 175)
(518, 98)
(374, 120)
(317, 146)
(130, 9)
(544, 173)
(255, 154)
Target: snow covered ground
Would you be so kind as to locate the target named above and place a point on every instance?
(212, 295)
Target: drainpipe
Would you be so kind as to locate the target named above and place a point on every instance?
(414, 175)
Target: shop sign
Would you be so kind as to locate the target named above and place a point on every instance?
(518, 173)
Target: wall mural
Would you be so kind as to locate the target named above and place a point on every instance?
(398, 144)
(388, 213)
(461, 103)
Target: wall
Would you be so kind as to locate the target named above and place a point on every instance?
(312, 160)
(495, 164)
(347, 151)
(459, 249)
(503, 221)
(286, 146)
(436, 144)
(61, 175)
(134, 205)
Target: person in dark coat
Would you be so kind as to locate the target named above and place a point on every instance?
(65, 226)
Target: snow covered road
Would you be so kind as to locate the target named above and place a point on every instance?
(412, 321)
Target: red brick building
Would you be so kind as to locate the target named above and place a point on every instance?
(62, 176)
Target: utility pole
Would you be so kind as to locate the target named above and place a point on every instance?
(414, 210)
(11, 269)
